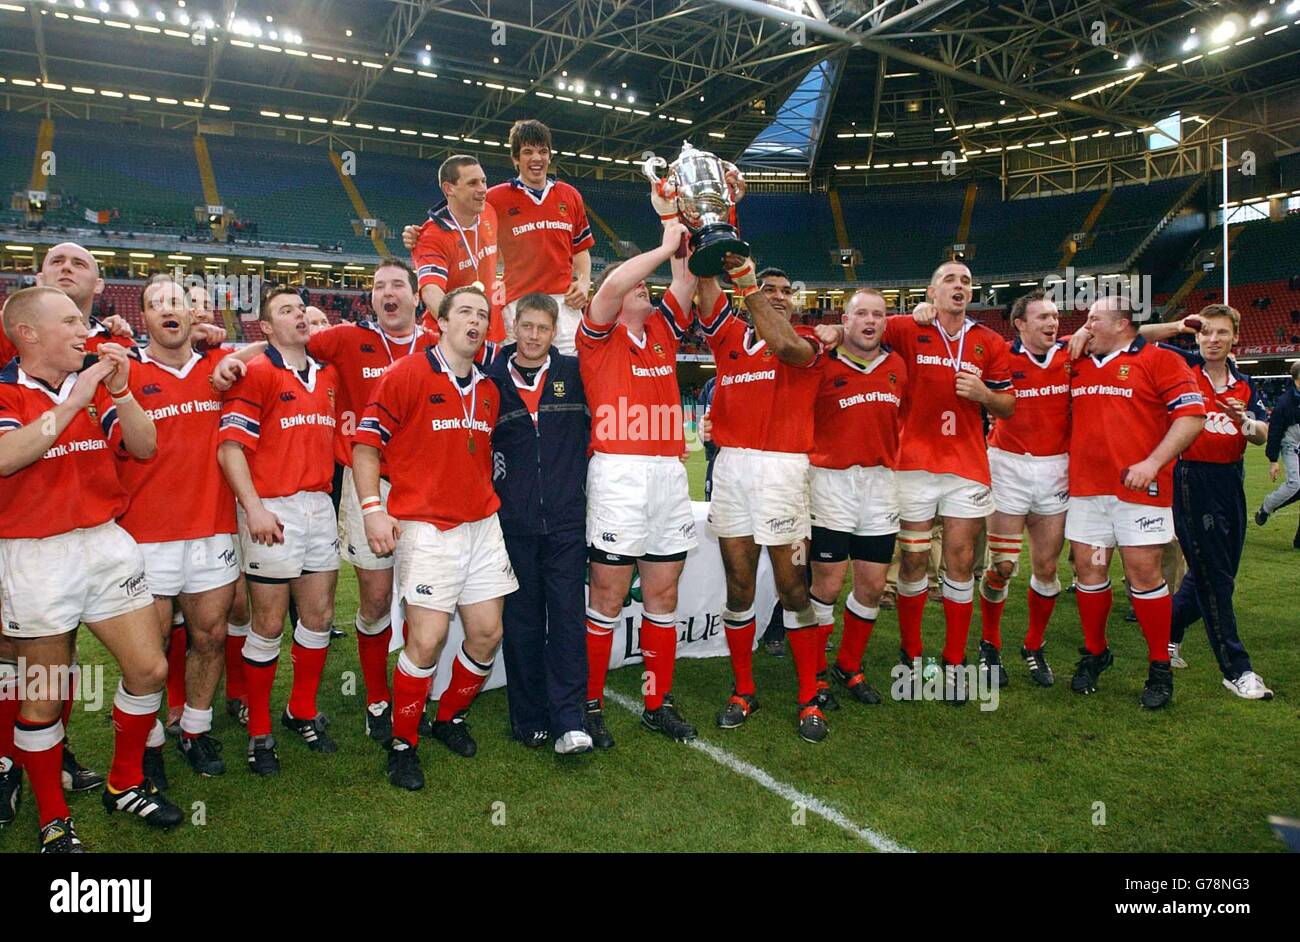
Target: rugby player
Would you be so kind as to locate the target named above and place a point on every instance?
(182, 512)
(277, 432)
(431, 419)
(854, 499)
(638, 500)
(1209, 489)
(1134, 408)
(75, 272)
(1029, 464)
(457, 245)
(60, 424)
(762, 420)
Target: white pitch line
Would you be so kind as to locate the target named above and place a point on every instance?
(791, 794)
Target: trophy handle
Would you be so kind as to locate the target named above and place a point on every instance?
(729, 167)
(652, 166)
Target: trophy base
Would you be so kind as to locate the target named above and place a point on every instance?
(710, 244)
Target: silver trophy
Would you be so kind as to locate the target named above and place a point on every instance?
(697, 180)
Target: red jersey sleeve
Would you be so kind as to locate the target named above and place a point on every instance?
(1176, 386)
(241, 412)
(819, 348)
(997, 375)
(582, 236)
(899, 330)
(327, 344)
(429, 257)
(383, 414)
(590, 334)
(108, 421)
(678, 320)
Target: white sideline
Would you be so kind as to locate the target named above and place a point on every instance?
(791, 794)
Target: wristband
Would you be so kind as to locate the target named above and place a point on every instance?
(367, 511)
(125, 396)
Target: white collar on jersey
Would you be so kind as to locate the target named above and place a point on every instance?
(63, 392)
(532, 194)
(855, 363)
(183, 372)
(1047, 359)
(537, 377)
(1232, 380)
(313, 368)
(753, 343)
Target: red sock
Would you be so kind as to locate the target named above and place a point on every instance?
(910, 608)
(409, 695)
(739, 632)
(467, 678)
(1094, 608)
(990, 611)
(659, 649)
(958, 607)
(310, 649)
(1040, 612)
(600, 642)
(857, 632)
(373, 653)
(803, 648)
(176, 666)
(261, 658)
(236, 685)
(8, 712)
(824, 633)
(38, 748)
(133, 718)
(1154, 609)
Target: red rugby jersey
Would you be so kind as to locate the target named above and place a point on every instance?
(440, 258)
(758, 401)
(418, 421)
(99, 334)
(74, 485)
(1121, 407)
(943, 433)
(857, 416)
(538, 236)
(360, 353)
(285, 423)
(179, 493)
(631, 383)
(1222, 441)
(1040, 425)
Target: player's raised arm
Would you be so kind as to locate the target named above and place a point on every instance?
(788, 346)
(609, 299)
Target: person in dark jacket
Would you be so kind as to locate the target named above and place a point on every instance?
(539, 469)
(1283, 450)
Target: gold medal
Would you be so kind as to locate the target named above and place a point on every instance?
(470, 443)
(479, 286)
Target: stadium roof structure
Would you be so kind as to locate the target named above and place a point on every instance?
(800, 91)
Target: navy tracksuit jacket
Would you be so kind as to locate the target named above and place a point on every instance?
(1210, 522)
(540, 474)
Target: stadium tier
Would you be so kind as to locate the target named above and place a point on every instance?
(902, 231)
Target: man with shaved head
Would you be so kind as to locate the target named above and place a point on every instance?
(74, 271)
(62, 424)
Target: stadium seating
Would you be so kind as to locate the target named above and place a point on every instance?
(292, 192)
(1023, 236)
(1131, 213)
(928, 214)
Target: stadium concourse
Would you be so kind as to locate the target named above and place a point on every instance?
(999, 257)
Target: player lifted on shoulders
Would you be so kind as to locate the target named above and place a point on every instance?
(431, 420)
(457, 246)
(1030, 467)
(638, 501)
(762, 421)
(1134, 408)
(277, 432)
(60, 425)
(181, 510)
(854, 496)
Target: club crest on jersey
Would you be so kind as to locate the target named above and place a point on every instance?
(767, 354)
(557, 388)
(92, 411)
(659, 349)
(330, 392)
(979, 349)
(893, 379)
(564, 209)
(1123, 372)
(487, 404)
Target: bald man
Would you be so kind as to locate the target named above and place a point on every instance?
(75, 272)
(317, 320)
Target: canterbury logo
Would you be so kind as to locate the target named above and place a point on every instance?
(1219, 423)
(424, 589)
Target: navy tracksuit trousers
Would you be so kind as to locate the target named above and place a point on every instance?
(1210, 521)
(544, 634)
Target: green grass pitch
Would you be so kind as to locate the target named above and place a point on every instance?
(1042, 772)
